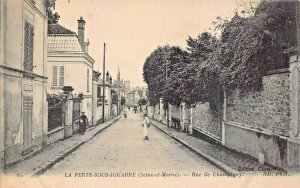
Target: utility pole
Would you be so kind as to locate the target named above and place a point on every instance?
(103, 83)
(167, 110)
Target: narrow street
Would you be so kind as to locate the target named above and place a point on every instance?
(121, 148)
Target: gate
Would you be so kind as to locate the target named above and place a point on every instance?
(55, 117)
(76, 110)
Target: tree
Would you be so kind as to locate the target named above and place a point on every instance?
(202, 75)
(164, 65)
(52, 17)
(251, 46)
(142, 101)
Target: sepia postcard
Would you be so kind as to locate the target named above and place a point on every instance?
(149, 93)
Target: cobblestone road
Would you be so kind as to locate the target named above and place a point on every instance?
(121, 148)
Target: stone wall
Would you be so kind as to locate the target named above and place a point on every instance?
(265, 110)
(208, 120)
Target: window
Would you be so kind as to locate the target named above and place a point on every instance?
(28, 47)
(98, 92)
(88, 80)
(61, 76)
(58, 80)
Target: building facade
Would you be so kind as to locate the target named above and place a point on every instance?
(23, 78)
(99, 115)
(69, 64)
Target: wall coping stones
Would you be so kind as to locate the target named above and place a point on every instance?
(254, 129)
(277, 71)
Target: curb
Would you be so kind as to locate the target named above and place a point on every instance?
(225, 168)
(50, 163)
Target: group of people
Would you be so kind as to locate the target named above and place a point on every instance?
(83, 122)
(145, 124)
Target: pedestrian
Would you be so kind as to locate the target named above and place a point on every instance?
(146, 125)
(83, 122)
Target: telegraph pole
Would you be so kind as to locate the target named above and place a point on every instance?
(167, 110)
(103, 83)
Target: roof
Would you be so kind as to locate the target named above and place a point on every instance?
(61, 39)
(58, 29)
(63, 43)
(100, 82)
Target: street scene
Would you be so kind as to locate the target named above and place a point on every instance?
(160, 89)
(121, 148)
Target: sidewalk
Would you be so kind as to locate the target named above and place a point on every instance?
(227, 160)
(51, 154)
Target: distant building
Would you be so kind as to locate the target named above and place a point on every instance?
(98, 118)
(69, 64)
(126, 86)
(119, 87)
(134, 96)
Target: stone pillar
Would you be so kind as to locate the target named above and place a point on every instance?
(161, 110)
(170, 115)
(224, 118)
(167, 115)
(68, 125)
(183, 115)
(191, 121)
(294, 94)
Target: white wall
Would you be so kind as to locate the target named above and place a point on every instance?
(15, 84)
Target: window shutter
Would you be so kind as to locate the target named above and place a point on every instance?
(88, 80)
(30, 52)
(54, 78)
(26, 45)
(98, 92)
(61, 76)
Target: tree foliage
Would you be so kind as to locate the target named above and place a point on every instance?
(142, 101)
(163, 73)
(251, 46)
(248, 47)
(205, 68)
(52, 17)
(55, 100)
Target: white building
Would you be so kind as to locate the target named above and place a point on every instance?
(69, 64)
(23, 45)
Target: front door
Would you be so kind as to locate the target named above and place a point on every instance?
(27, 123)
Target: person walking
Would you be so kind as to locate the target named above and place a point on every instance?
(146, 125)
(83, 122)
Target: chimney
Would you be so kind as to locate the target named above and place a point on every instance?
(81, 26)
(107, 76)
(110, 79)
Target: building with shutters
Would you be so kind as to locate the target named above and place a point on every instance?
(23, 79)
(69, 64)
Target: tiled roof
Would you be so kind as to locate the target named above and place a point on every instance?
(58, 29)
(64, 43)
(61, 39)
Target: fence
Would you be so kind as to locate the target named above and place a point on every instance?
(55, 117)
(76, 110)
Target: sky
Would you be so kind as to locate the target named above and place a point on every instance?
(132, 29)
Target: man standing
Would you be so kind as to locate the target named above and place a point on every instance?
(146, 125)
(83, 122)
